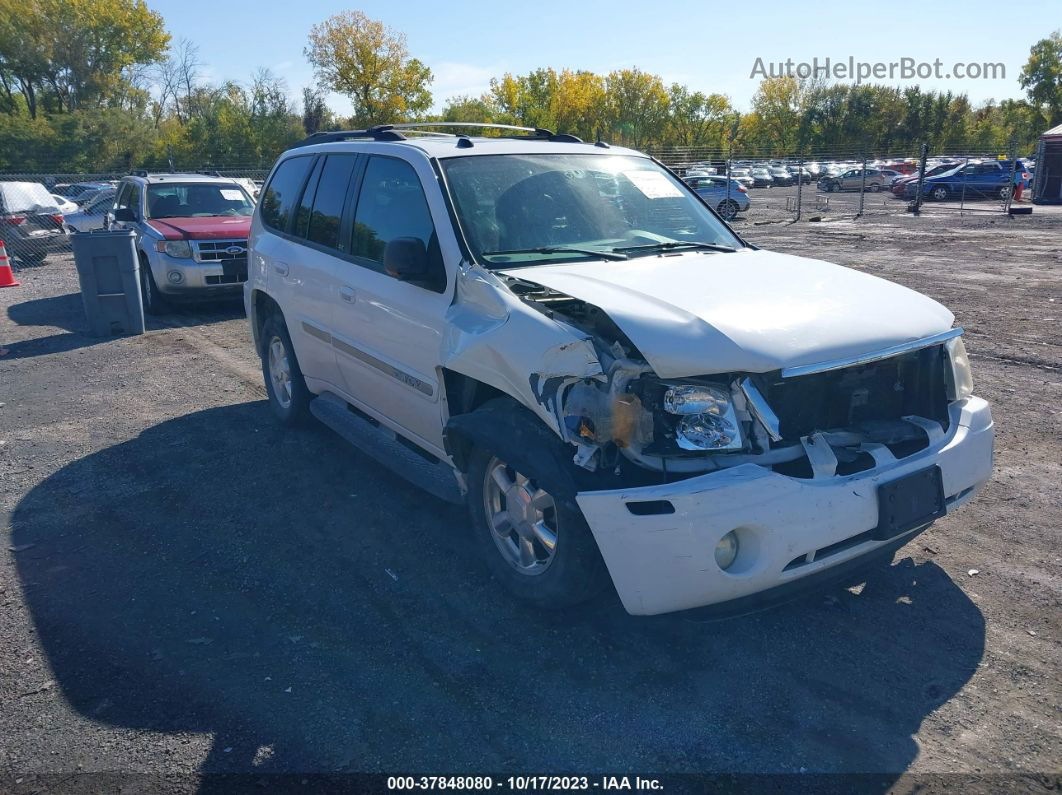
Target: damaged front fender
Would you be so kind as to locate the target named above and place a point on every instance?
(494, 338)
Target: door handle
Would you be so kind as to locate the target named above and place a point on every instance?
(347, 294)
(281, 268)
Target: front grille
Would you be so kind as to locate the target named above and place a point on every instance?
(235, 278)
(220, 250)
(910, 384)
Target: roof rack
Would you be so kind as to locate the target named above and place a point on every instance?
(390, 132)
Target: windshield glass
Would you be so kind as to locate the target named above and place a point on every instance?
(529, 209)
(197, 199)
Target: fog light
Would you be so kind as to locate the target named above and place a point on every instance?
(175, 277)
(726, 551)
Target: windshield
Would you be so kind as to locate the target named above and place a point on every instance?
(197, 200)
(529, 209)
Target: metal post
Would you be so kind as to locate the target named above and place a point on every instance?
(862, 188)
(800, 185)
(917, 209)
(729, 160)
(962, 198)
(1010, 182)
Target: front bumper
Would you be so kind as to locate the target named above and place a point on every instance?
(198, 280)
(665, 561)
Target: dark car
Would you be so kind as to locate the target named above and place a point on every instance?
(900, 184)
(782, 176)
(30, 222)
(989, 178)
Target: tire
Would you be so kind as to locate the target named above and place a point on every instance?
(517, 548)
(873, 187)
(33, 258)
(831, 187)
(289, 399)
(1005, 193)
(939, 193)
(728, 208)
(154, 303)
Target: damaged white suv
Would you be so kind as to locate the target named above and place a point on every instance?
(568, 338)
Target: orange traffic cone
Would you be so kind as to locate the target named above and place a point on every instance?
(7, 276)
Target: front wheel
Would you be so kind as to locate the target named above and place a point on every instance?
(533, 538)
(288, 396)
(728, 208)
(154, 303)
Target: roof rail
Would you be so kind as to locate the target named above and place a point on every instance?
(390, 132)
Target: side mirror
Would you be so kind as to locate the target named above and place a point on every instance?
(125, 215)
(406, 259)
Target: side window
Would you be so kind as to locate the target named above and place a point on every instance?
(278, 199)
(332, 188)
(302, 215)
(129, 198)
(391, 205)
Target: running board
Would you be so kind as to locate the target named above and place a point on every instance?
(424, 470)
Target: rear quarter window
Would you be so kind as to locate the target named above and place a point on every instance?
(278, 201)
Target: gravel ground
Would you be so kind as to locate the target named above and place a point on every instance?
(185, 587)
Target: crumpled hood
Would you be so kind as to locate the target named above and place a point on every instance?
(752, 311)
(221, 227)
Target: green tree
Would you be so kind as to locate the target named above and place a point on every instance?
(360, 57)
(636, 107)
(1041, 77)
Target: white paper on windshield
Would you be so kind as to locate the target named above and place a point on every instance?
(653, 184)
(231, 195)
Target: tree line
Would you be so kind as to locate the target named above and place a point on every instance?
(87, 86)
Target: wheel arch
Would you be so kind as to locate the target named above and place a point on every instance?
(262, 306)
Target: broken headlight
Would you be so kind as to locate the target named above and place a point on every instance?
(961, 377)
(707, 420)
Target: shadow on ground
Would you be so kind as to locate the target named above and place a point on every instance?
(273, 588)
(67, 312)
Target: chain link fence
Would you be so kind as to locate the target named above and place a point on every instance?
(767, 188)
(39, 211)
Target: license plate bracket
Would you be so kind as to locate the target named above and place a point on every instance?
(909, 502)
(235, 268)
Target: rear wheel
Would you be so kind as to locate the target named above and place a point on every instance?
(873, 187)
(728, 208)
(1005, 192)
(288, 396)
(939, 193)
(33, 258)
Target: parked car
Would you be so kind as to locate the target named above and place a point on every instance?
(743, 176)
(762, 178)
(31, 225)
(890, 176)
(93, 214)
(781, 176)
(801, 174)
(989, 178)
(63, 204)
(898, 186)
(853, 180)
(714, 190)
(191, 235)
(616, 389)
(80, 191)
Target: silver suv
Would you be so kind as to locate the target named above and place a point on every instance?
(191, 235)
(566, 337)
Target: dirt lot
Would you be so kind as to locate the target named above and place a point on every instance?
(184, 586)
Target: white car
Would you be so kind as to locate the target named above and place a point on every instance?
(64, 204)
(563, 336)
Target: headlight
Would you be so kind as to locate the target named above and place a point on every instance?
(961, 374)
(175, 248)
(707, 419)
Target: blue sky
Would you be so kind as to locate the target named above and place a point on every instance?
(709, 46)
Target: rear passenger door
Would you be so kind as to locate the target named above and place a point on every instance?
(388, 332)
(303, 209)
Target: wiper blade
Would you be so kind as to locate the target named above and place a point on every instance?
(593, 252)
(671, 244)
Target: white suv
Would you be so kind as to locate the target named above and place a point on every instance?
(568, 338)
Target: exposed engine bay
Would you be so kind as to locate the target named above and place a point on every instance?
(837, 422)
